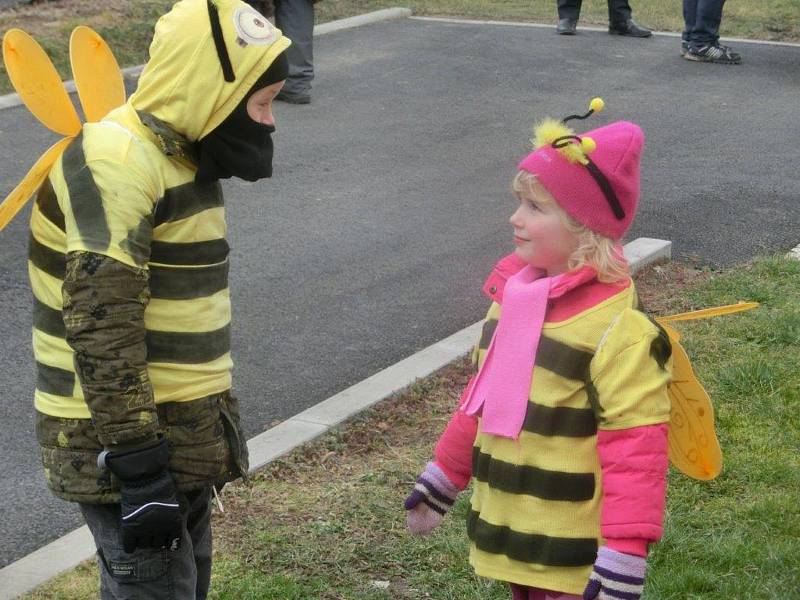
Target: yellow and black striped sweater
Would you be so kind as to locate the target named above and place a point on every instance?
(114, 193)
(534, 517)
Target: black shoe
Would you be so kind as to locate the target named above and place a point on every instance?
(714, 53)
(299, 98)
(629, 28)
(566, 26)
(684, 48)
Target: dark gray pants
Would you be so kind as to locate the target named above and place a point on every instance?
(295, 18)
(619, 11)
(154, 574)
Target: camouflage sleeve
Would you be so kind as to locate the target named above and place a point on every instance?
(104, 304)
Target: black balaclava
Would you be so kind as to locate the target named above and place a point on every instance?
(239, 146)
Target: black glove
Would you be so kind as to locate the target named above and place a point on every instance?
(151, 514)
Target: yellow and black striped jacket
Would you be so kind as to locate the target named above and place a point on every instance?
(534, 517)
(168, 225)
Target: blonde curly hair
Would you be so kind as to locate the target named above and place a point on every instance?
(597, 251)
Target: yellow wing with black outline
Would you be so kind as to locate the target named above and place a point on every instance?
(693, 446)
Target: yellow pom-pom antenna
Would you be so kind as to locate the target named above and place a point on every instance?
(597, 105)
(558, 135)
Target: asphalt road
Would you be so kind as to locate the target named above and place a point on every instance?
(389, 204)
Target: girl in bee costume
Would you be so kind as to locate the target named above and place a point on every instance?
(129, 269)
(564, 429)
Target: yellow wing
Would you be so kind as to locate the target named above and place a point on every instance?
(707, 313)
(28, 186)
(98, 78)
(100, 89)
(40, 88)
(693, 446)
(38, 83)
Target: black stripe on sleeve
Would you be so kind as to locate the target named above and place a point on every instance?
(85, 198)
(660, 347)
(185, 200)
(137, 243)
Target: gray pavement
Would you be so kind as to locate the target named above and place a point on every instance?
(389, 204)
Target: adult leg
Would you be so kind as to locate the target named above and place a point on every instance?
(689, 16)
(704, 43)
(295, 18)
(621, 23)
(708, 16)
(153, 573)
(619, 12)
(569, 9)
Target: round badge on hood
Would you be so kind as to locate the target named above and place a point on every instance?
(253, 28)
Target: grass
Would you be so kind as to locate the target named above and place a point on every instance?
(326, 522)
(127, 24)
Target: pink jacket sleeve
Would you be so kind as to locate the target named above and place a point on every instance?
(634, 469)
(453, 451)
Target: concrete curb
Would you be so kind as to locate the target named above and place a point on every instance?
(131, 73)
(588, 28)
(77, 546)
(386, 14)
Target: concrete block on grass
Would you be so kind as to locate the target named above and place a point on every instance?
(644, 251)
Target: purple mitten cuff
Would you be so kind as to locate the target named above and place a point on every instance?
(434, 489)
(616, 575)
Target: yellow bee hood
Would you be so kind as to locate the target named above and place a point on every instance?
(186, 81)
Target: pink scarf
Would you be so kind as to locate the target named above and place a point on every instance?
(500, 391)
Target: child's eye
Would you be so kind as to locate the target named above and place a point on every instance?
(533, 205)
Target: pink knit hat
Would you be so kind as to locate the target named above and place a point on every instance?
(601, 194)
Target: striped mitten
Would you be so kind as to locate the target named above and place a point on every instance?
(616, 576)
(431, 498)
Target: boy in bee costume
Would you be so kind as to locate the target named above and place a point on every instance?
(129, 269)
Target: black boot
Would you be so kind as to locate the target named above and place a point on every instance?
(566, 26)
(629, 28)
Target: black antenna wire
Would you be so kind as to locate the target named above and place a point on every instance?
(219, 43)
